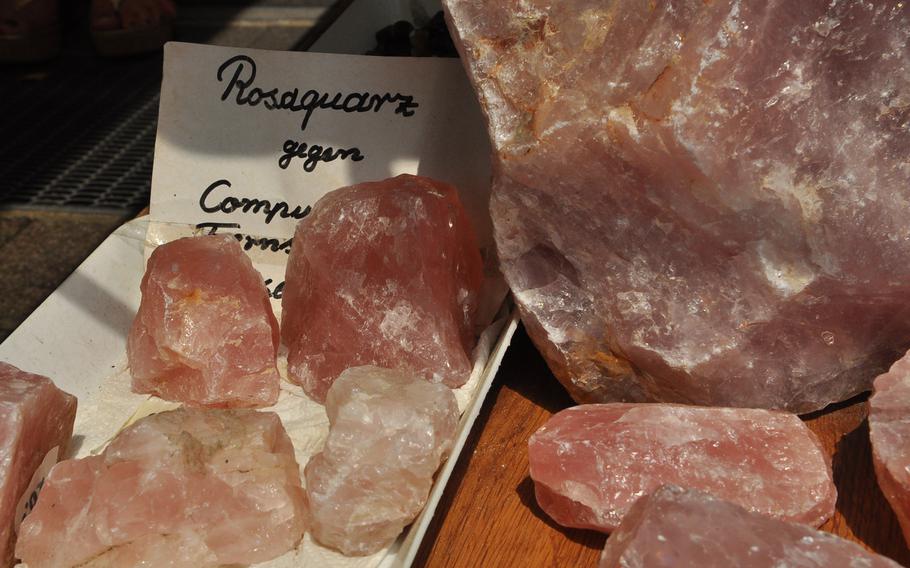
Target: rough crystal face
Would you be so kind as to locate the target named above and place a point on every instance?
(389, 432)
(678, 527)
(701, 202)
(35, 417)
(205, 333)
(185, 488)
(889, 431)
(591, 462)
(384, 273)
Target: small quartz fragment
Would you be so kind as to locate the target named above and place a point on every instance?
(889, 431)
(35, 418)
(205, 333)
(591, 462)
(389, 432)
(678, 527)
(385, 273)
(186, 488)
(700, 202)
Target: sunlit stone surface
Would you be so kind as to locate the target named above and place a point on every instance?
(701, 202)
(389, 433)
(676, 527)
(384, 273)
(889, 431)
(185, 488)
(591, 462)
(205, 333)
(35, 417)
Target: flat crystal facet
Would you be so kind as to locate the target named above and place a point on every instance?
(186, 488)
(889, 431)
(384, 273)
(389, 433)
(205, 334)
(701, 202)
(591, 462)
(35, 417)
(678, 527)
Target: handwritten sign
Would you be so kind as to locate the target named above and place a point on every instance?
(248, 139)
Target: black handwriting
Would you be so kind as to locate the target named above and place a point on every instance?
(239, 72)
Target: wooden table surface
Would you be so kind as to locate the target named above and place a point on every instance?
(488, 516)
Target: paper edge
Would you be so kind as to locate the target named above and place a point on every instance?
(417, 532)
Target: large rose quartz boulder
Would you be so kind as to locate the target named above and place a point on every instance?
(591, 462)
(384, 273)
(677, 527)
(205, 333)
(889, 431)
(35, 418)
(701, 202)
(186, 488)
(389, 433)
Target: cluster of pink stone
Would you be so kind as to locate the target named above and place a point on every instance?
(703, 203)
(187, 488)
(700, 202)
(889, 431)
(36, 417)
(205, 333)
(389, 432)
(677, 527)
(385, 273)
(590, 463)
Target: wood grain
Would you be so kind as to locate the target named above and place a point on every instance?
(488, 516)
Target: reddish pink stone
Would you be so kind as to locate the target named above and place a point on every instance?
(677, 527)
(591, 462)
(35, 417)
(701, 202)
(205, 333)
(187, 488)
(385, 273)
(889, 431)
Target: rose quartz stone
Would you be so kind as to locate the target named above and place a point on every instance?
(701, 202)
(889, 431)
(205, 333)
(678, 527)
(185, 488)
(385, 273)
(591, 462)
(389, 432)
(35, 417)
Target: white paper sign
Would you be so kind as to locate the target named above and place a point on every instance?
(249, 139)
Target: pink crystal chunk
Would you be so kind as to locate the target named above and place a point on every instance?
(205, 333)
(701, 202)
(389, 432)
(35, 418)
(591, 462)
(185, 488)
(889, 431)
(678, 527)
(385, 273)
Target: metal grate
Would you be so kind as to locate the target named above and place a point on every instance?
(79, 134)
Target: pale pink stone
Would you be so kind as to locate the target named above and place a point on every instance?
(205, 333)
(701, 202)
(35, 417)
(889, 431)
(389, 432)
(591, 462)
(185, 488)
(678, 527)
(384, 273)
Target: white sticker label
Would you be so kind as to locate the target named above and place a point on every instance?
(30, 497)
